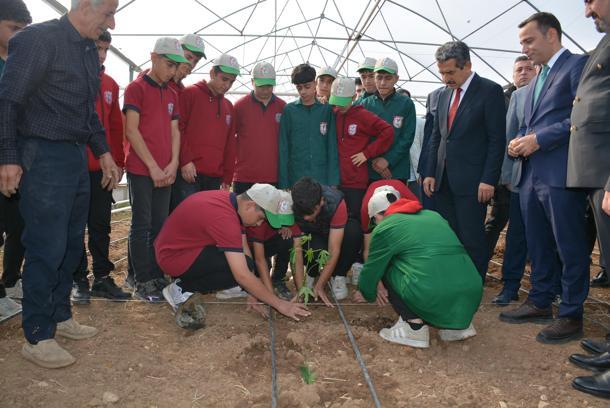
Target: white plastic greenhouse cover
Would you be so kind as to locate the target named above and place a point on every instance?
(333, 32)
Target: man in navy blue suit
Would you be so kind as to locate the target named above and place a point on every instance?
(553, 215)
(466, 149)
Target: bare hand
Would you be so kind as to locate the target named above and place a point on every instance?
(380, 164)
(189, 172)
(110, 172)
(319, 293)
(382, 294)
(512, 148)
(170, 172)
(525, 146)
(285, 233)
(158, 177)
(10, 176)
(606, 203)
(293, 310)
(429, 185)
(358, 298)
(486, 192)
(386, 174)
(358, 159)
(254, 305)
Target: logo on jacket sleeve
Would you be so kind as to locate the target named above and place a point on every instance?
(228, 120)
(278, 117)
(352, 129)
(170, 108)
(323, 128)
(397, 122)
(108, 97)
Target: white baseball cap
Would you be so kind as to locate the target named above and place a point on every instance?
(386, 64)
(368, 64)
(330, 71)
(170, 48)
(227, 63)
(342, 91)
(379, 200)
(263, 74)
(194, 43)
(276, 203)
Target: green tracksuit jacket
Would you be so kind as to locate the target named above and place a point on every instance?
(308, 144)
(398, 111)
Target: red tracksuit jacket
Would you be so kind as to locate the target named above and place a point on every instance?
(109, 112)
(207, 132)
(359, 130)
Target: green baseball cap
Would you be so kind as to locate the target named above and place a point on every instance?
(170, 48)
(368, 64)
(342, 91)
(277, 204)
(263, 74)
(227, 63)
(386, 64)
(194, 43)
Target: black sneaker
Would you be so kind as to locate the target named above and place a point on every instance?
(148, 291)
(106, 288)
(130, 282)
(80, 293)
(161, 283)
(282, 290)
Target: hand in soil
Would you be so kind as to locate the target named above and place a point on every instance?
(254, 305)
(319, 293)
(293, 310)
(382, 295)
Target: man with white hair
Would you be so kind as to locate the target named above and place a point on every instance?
(428, 275)
(47, 116)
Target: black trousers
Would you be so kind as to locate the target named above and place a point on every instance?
(497, 220)
(243, 186)
(98, 227)
(12, 224)
(181, 189)
(352, 241)
(210, 272)
(280, 248)
(602, 223)
(353, 200)
(397, 304)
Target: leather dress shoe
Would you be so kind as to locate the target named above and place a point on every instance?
(527, 313)
(562, 330)
(593, 363)
(598, 385)
(601, 279)
(596, 346)
(505, 297)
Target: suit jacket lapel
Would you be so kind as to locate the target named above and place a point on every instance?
(551, 77)
(468, 96)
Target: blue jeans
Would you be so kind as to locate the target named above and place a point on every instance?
(149, 209)
(54, 204)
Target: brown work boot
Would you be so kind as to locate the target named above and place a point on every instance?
(527, 313)
(71, 329)
(560, 331)
(47, 354)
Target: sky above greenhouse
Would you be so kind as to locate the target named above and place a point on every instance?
(323, 32)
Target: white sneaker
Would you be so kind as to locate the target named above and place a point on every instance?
(174, 295)
(356, 269)
(235, 292)
(339, 285)
(16, 292)
(457, 335)
(309, 281)
(8, 307)
(402, 333)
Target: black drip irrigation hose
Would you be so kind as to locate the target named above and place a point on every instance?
(273, 359)
(348, 331)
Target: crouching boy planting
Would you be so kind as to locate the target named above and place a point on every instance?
(203, 244)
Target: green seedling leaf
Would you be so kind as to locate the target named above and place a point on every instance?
(307, 374)
(309, 254)
(323, 256)
(306, 293)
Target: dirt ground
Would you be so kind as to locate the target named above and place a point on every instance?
(142, 359)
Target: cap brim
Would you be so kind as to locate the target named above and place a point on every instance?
(279, 220)
(264, 81)
(176, 58)
(386, 69)
(194, 49)
(340, 100)
(229, 70)
(365, 67)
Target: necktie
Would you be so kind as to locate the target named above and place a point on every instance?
(454, 108)
(540, 82)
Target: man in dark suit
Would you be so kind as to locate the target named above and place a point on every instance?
(589, 168)
(431, 106)
(553, 215)
(466, 148)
